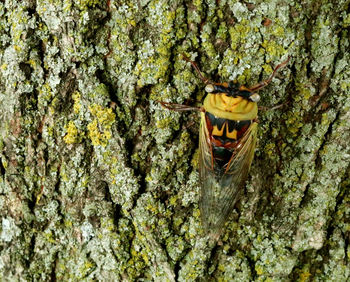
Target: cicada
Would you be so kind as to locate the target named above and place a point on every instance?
(227, 141)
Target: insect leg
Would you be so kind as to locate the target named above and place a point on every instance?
(179, 107)
(266, 82)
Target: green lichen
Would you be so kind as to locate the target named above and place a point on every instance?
(346, 21)
(72, 135)
(99, 130)
(89, 3)
(135, 48)
(273, 49)
(238, 34)
(77, 104)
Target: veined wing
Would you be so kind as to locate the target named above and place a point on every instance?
(221, 188)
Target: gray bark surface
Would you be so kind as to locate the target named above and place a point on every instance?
(99, 182)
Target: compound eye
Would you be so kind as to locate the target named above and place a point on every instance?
(209, 88)
(254, 97)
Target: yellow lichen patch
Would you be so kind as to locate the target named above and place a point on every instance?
(72, 133)
(32, 63)
(76, 98)
(173, 200)
(270, 149)
(267, 68)
(259, 270)
(88, 3)
(304, 276)
(195, 159)
(273, 49)
(196, 213)
(94, 133)
(99, 128)
(278, 31)
(239, 34)
(163, 123)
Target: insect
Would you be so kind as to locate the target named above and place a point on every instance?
(227, 140)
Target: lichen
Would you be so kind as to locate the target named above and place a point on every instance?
(72, 133)
(99, 129)
(92, 72)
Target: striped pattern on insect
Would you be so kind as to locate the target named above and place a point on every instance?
(227, 140)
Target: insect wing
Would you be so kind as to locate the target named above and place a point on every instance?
(221, 190)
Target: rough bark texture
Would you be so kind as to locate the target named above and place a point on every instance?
(98, 181)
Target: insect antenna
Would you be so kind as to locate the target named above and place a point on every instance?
(266, 82)
(205, 80)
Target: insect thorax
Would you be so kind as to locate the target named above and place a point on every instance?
(231, 108)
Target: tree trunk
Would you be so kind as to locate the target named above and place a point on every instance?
(99, 182)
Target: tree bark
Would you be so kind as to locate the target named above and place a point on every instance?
(99, 182)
